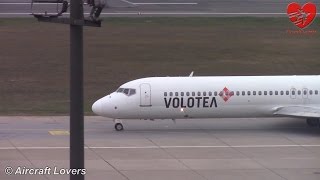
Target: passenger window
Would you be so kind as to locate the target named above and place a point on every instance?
(171, 93)
(188, 94)
(316, 92)
(243, 93)
(126, 91)
(165, 93)
(276, 93)
(293, 92)
(260, 93)
(182, 93)
(199, 93)
(299, 92)
(231, 93)
(305, 92)
(270, 92)
(176, 94)
(193, 94)
(226, 93)
(215, 93)
(310, 92)
(221, 93)
(287, 92)
(265, 93)
(204, 93)
(254, 93)
(210, 93)
(248, 93)
(238, 93)
(281, 93)
(133, 91)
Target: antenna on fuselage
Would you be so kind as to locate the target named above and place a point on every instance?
(191, 74)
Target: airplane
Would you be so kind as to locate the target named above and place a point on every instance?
(213, 97)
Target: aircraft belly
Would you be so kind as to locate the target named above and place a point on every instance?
(158, 112)
(231, 112)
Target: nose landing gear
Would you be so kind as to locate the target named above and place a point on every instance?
(118, 125)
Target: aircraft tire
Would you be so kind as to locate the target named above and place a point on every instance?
(118, 127)
(313, 122)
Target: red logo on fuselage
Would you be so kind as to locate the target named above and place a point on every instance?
(225, 94)
(301, 16)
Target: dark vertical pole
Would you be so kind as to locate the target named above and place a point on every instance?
(76, 90)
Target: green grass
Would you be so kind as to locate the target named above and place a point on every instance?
(34, 71)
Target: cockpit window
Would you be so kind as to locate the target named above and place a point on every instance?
(120, 90)
(132, 92)
(126, 91)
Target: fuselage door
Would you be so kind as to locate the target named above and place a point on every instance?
(145, 95)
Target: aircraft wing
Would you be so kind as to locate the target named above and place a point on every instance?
(298, 111)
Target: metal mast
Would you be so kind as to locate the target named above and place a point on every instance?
(76, 90)
(76, 21)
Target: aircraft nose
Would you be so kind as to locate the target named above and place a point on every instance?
(97, 107)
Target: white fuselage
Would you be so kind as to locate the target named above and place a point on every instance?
(208, 97)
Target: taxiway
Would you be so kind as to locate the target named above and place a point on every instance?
(264, 148)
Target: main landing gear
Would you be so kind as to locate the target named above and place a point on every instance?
(118, 126)
(313, 122)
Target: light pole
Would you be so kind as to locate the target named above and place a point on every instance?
(76, 90)
(76, 21)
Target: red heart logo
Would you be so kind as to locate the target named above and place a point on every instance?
(301, 16)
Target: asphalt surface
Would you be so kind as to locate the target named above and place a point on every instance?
(21, 8)
(273, 149)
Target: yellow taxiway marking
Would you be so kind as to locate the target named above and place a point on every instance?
(59, 132)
